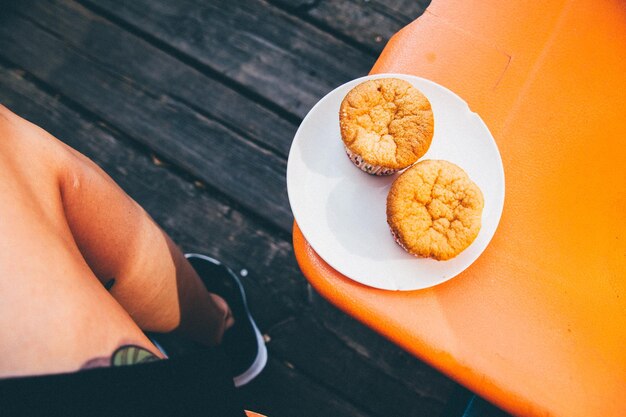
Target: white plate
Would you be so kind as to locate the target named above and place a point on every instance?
(342, 210)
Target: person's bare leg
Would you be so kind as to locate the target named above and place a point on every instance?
(152, 279)
(65, 229)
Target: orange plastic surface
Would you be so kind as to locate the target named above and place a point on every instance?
(537, 324)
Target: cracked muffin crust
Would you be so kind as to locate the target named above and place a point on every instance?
(434, 210)
(386, 125)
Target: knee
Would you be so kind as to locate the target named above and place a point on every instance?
(3, 110)
(12, 124)
(20, 137)
(5, 113)
(8, 123)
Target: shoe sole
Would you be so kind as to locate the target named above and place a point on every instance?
(261, 358)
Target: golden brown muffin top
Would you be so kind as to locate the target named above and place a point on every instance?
(387, 121)
(434, 209)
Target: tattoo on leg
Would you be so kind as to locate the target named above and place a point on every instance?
(132, 355)
(124, 355)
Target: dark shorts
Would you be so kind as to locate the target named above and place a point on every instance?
(198, 384)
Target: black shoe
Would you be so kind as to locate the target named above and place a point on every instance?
(242, 342)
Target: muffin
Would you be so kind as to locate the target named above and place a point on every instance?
(386, 125)
(434, 210)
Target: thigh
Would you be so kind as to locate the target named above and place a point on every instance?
(118, 240)
(55, 315)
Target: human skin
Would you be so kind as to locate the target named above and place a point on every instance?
(66, 230)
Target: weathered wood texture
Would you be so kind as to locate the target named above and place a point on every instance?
(191, 108)
(204, 147)
(268, 51)
(301, 339)
(366, 24)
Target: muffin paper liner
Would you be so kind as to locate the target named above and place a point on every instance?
(395, 237)
(369, 168)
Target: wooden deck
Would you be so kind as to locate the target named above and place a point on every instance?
(191, 107)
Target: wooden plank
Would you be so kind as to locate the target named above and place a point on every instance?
(193, 217)
(368, 24)
(261, 47)
(252, 176)
(356, 377)
(135, 59)
(387, 357)
(281, 391)
(408, 9)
